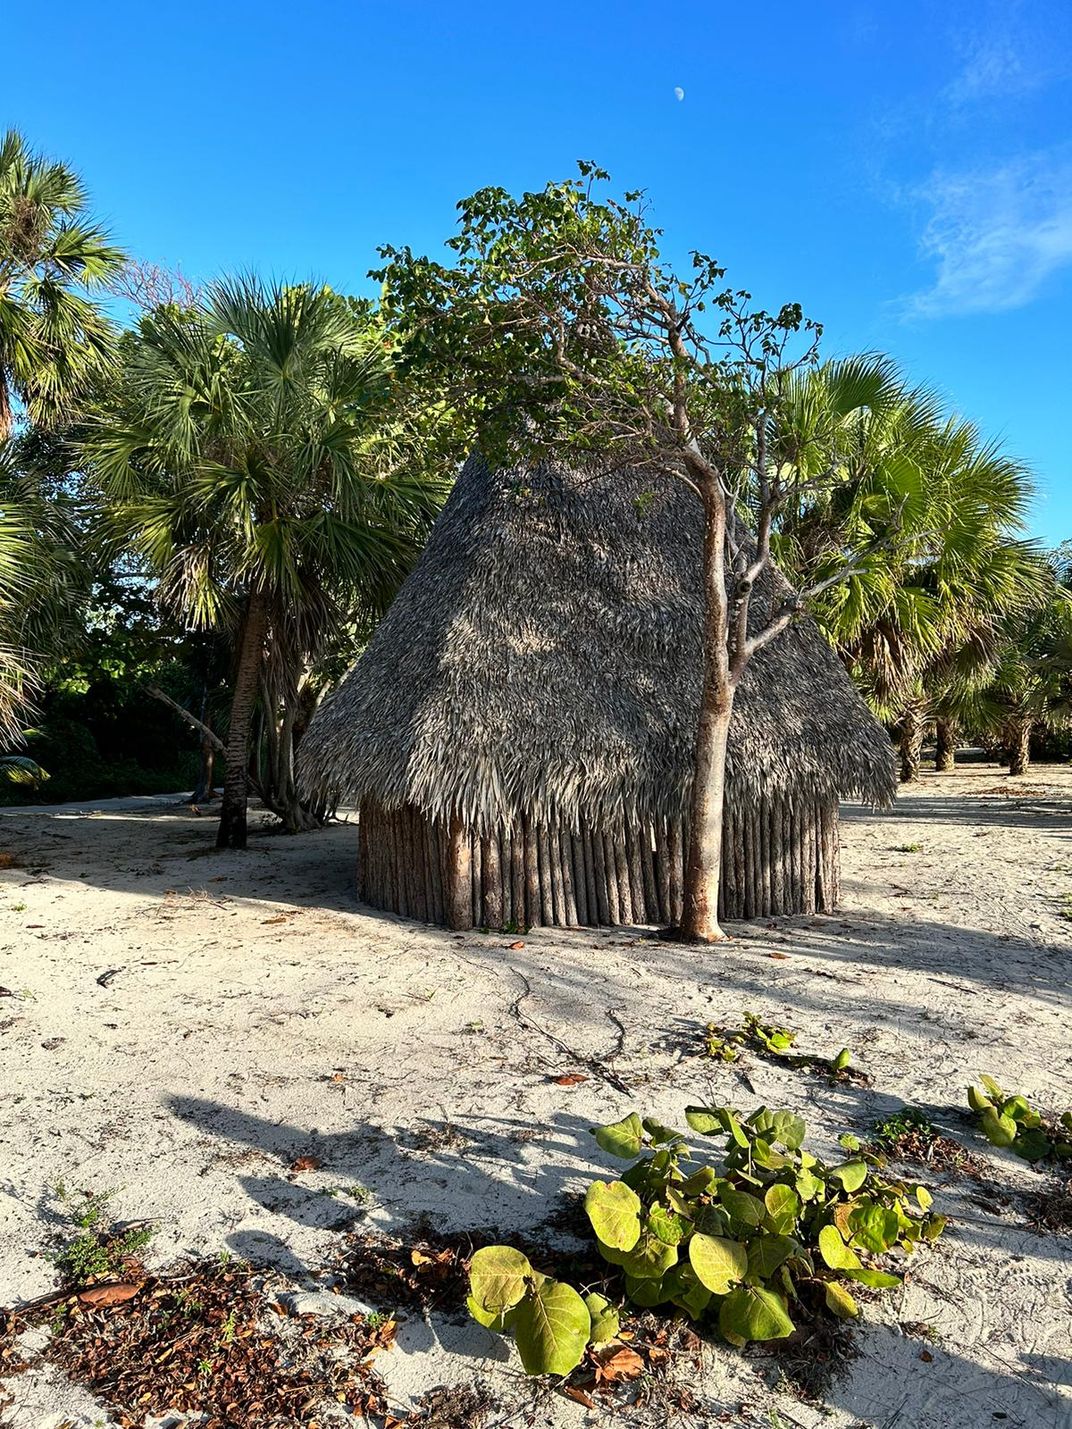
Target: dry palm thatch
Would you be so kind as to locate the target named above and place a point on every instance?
(519, 732)
(543, 659)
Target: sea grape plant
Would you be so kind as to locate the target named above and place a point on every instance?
(726, 1044)
(767, 1233)
(1011, 1121)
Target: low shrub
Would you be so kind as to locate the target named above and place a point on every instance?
(1010, 1121)
(767, 1233)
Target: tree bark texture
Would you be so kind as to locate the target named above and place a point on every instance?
(233, 812)
(1020, 746)
(913, 728)
(945, 754)
(702, 867)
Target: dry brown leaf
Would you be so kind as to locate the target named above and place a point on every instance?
(569, 1080)
(279, 918)
(516, 947)
(620, 1364)
(579, 1395)
(100, 1295)
(305, 1163)
(781, 956)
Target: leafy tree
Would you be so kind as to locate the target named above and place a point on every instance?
(54, 337)
(248, 457)
(560, 329)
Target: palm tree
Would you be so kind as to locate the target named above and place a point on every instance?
(43, 574)
(1031, 684)
(248, 456)
(54, 338)
(937, 509)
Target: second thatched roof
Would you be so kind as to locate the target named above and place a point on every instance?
(543, 658)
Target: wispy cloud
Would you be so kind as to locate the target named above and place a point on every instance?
(994, 65)
(996, 235)
(1012, 50)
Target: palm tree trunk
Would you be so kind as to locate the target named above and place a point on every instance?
(945, 756)
(232, 830)
(913, 727)
(1020, 746)
(7, 417)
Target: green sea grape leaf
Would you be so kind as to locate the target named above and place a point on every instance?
(748, 1210)
(604, 1316)
(783, 1207)
(614, 1211)
(650, 1258)
(767, 1253)
(552, 1327)
(834, 1251)
(717, 1263)
(840, 1301)
(752, 1313)
(624, 1139)
(999, 1130)
(877, 1279)
(851, 1174)
(498, 1277)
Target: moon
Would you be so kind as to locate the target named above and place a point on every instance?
(679, 93)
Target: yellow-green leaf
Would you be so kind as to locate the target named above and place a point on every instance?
(614, 1211)
(498, 1275)
(718, 1263)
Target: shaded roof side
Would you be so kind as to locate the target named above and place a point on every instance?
(543, 656)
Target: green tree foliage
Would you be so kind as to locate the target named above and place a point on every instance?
(248, 455)
(940, 509)
(54, 338)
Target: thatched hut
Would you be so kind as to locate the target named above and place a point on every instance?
(518, 734)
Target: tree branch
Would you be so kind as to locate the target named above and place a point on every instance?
(184, 714)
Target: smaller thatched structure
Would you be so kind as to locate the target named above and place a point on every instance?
(518, 734)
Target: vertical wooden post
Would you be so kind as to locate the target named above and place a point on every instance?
(517, 874)
(533, 911)
(491, 879)
(460, 883)
(569, 894)
(677, 871)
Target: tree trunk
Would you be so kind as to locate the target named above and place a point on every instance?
(1020, 746)
(913, 726)
(7, 416)
(945, 755)
(232, 830)
(203, 792)
(703, 858)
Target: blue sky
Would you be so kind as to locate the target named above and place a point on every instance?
(903, 170)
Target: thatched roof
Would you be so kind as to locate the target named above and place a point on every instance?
(544, 657)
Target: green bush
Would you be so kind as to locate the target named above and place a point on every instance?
(765, 1234)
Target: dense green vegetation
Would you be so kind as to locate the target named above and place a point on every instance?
(205, 507)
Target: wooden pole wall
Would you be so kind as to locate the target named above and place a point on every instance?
(779, 859)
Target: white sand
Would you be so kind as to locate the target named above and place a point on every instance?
(244, 983)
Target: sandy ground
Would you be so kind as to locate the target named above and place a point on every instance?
(256, 1013)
